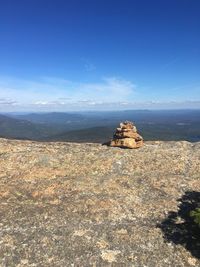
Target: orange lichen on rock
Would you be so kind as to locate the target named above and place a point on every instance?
(126, 136)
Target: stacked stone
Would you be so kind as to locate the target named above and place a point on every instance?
(126, 136)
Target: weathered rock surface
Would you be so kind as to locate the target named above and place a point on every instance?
(65, 204)
(126, 136)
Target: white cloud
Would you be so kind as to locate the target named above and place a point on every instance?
(111, 89)
(48, 91)
(88, 65)
(7, 101)
(41, 103)
(54, 94)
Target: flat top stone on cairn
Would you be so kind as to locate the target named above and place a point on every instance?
(126, 136)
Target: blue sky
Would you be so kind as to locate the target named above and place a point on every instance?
(99, 54)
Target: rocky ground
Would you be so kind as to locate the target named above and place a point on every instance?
(65, 204)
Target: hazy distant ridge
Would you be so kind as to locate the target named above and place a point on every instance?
(99, 126)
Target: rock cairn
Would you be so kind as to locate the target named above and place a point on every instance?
(126, 136)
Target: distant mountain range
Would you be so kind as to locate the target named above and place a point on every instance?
(99, 126)
(51, 118)
(21, 129)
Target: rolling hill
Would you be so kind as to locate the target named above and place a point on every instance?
(23, 129)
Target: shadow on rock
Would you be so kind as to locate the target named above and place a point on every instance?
(180, 228)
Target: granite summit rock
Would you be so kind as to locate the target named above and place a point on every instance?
(69, 204)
